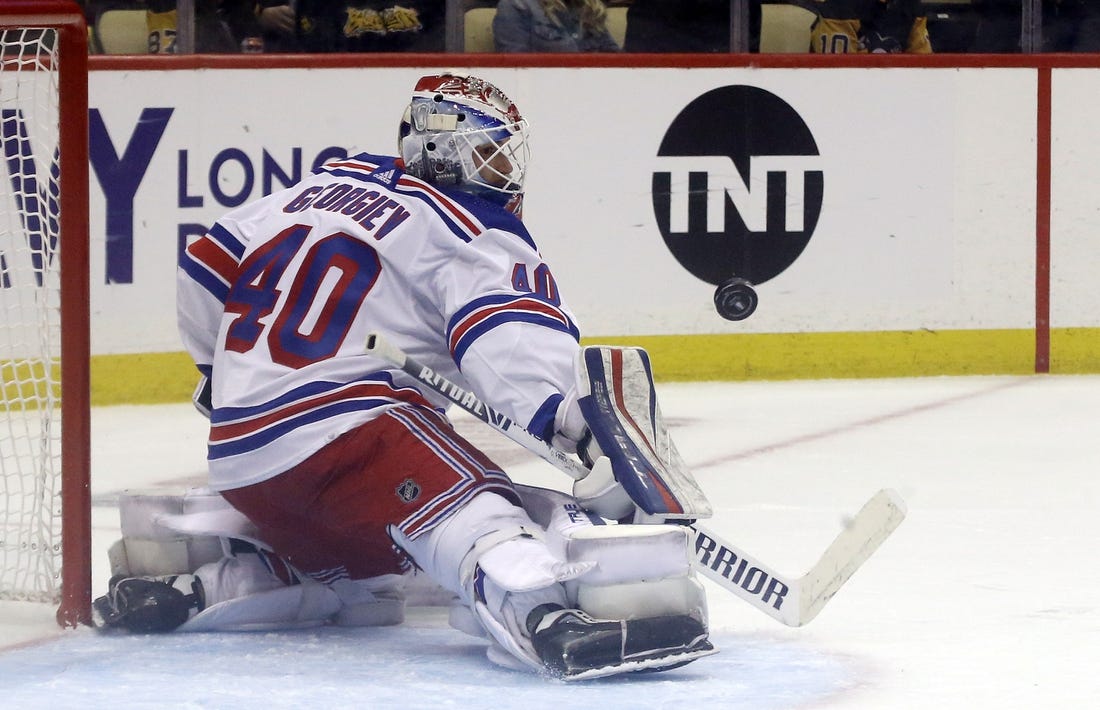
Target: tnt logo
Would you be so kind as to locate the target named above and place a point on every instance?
(738, 187)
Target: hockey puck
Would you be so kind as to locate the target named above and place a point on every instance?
(735, 299)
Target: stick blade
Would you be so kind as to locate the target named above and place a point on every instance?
(878, 518)
(746, 576)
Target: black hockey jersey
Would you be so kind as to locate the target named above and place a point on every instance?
(870, 26)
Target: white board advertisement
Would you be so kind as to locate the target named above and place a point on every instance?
(855, 199)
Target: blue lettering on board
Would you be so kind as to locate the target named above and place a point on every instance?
(120, 177)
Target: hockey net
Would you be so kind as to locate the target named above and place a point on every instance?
(44, 431)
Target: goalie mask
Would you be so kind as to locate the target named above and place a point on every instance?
(464, 132)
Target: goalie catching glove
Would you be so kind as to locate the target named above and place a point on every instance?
(613, 421)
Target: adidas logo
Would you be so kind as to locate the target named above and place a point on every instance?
(386, 177)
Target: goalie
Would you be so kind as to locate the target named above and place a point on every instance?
(347, 474)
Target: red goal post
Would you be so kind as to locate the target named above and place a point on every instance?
(45, 431)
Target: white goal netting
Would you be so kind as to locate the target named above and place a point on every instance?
(30, 324)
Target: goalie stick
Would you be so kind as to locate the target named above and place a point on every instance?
(793, 601)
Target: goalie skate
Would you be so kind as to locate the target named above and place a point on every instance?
(149, 604)
(576, 646)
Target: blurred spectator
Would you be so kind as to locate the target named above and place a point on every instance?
(352, 25)
(278, 21)
(552, 26)
(870, 26)
(242, 18)
(89, 8)
(999, 26)
(685, 26)
(1071, 26)
(212, 33)
(1068, 26)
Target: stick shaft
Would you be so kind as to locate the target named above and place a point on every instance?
(469, 402)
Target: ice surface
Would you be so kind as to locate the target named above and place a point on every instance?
(988, 595)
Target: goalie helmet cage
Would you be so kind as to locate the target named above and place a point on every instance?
(45, 432)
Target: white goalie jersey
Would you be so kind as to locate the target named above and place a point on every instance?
(275, 305)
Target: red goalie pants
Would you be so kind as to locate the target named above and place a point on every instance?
(328, 516)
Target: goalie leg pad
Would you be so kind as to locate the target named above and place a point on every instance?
(376, 601)
(496, 559)
(640, 607)
(195, 512)
(636, 570)
(237, 576)
(172, 533)
(641, 571)
(245, 585)
(304, 605)
(505, 568)
(244, 595)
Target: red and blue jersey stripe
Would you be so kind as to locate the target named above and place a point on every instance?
(483, 314)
